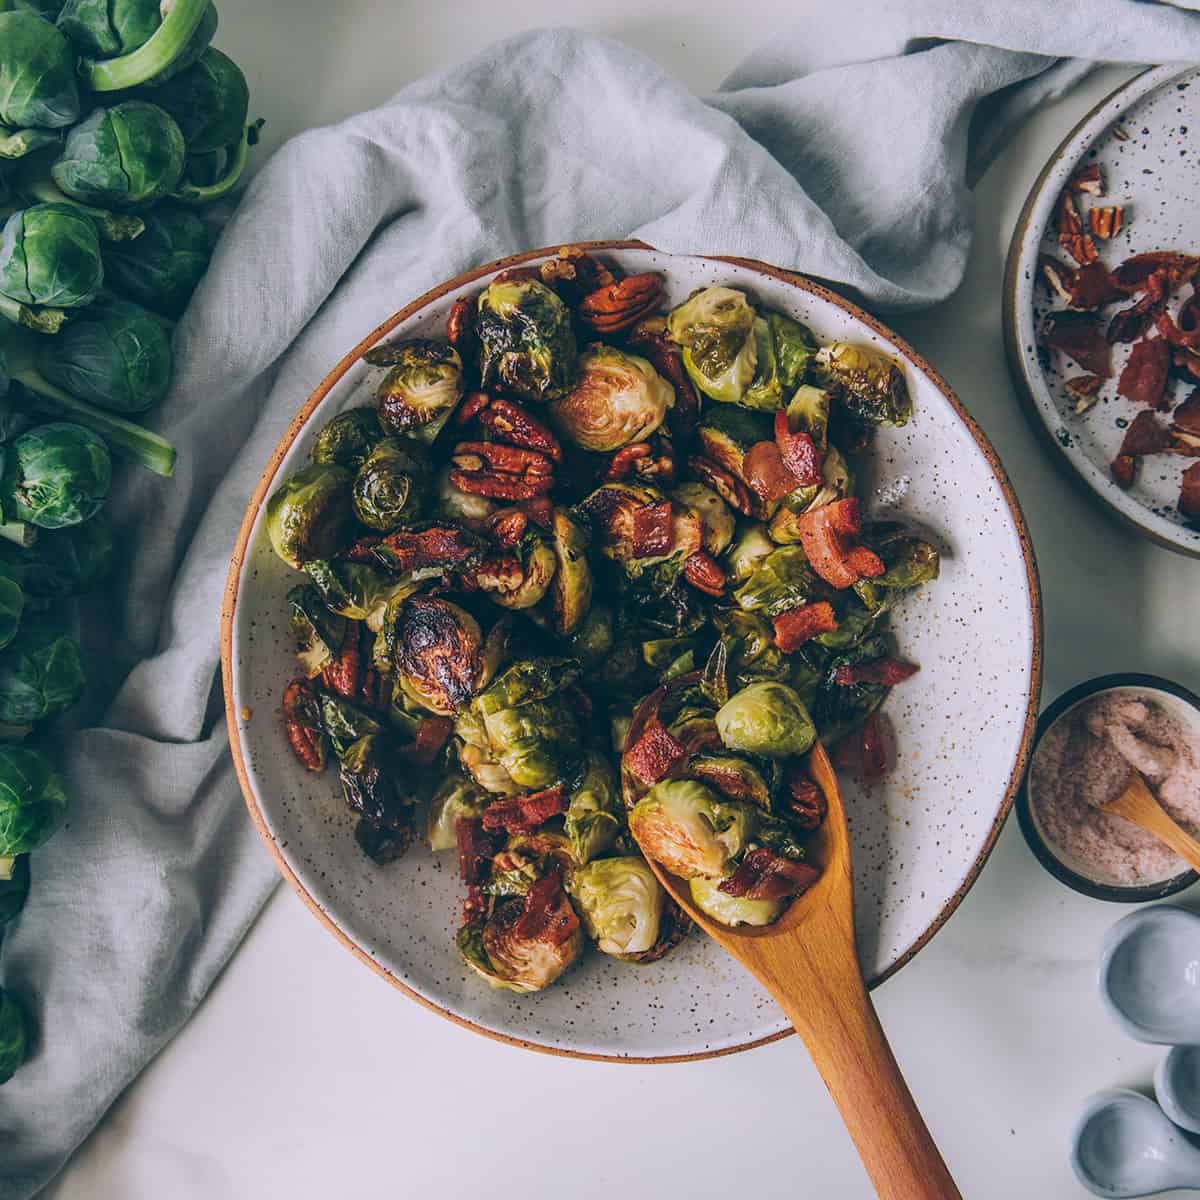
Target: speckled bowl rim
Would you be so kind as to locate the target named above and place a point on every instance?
(1017, 308)
(1113, 893)
(464, 280)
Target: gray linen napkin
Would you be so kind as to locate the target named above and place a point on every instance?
(842, 151)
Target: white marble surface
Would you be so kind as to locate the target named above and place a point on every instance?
(304, 1074)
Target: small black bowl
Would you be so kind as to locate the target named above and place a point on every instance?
(1044, 853)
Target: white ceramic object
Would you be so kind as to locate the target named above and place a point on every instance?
(1144, 136)
(1177, 1086)
(1124, 1146)
(963, 726)
(1149, 975)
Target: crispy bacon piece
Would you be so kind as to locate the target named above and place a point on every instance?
(807, 806)
(798, 451)
(1130, 323)
(509, 422)
(1087, 181)
(1078, 336)
(799, 625)
(887, 671)
(766, 473)
(523, 814)
(548, 915)
(703, 571)
(649, 340)
(342, 674)
(432, 734)
(873, 747)
(1189, 493)
(361, 551)
(476, 848)
(438, 546)
(765, 875)
(731, 489)
(1133, 272)
(653, 755)
(652, 530)
(1187, 415)
(1170, 332)
(1145, 435)
(1144, 379)
(825, 534)
(1071, 235)
(1123, 469)
(305, 733)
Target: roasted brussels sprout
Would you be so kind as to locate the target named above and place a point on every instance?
(618, 398)
(527, 345)
(50, 257)
(522, 579)
(736, 778)
(126, 157)
(716, 519)
(209, 101)
(751, 653)
(37, 74)
(837, 708)
(781, 581)
(114, 354)
(457, 505)
(765, 392)
(309, 516)
(14, 890)
(689, 829)
(617, 511)
(727, 434)
(794, 348)
(837, 483)
(349, 438)
(869, 385)
(360, 591)
(909, 561)
(620, 903)
(14, 1035)
(370, 775)
(56, 475)
(161, 268)
(571, 587)
(438, 653)
(456, 796)
(32, 803)
(318, 631)
(808, 412)
(747, 551)
(593, 820)
(422, 387)
(715, 328)
(592, 638)
(768, 719)
(732, 910)
(344, 723)
(391, 486)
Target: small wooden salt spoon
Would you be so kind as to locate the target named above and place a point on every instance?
(1137, 803)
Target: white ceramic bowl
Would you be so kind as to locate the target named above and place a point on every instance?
(963, 726)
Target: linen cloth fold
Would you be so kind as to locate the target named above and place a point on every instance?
(843, 150)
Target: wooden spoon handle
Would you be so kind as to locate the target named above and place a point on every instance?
(837, 1021)
(1139, 804)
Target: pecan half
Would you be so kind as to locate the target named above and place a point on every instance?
(508, 526)
(1106, 222)
(622, 304)
(302, 718)
(1071, 235)
(510, 422)
(501, 472)
(702, 571)
(342, 674)
(731, 489)
(472, 404)
(1088, 181)
(1123, 469)
(460, 325)
(574, 274)
(1083, 389)
(649, 339)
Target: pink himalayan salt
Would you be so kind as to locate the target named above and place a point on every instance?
(1084, 760)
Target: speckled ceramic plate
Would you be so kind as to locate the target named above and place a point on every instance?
(1146, 137)
(963, 726)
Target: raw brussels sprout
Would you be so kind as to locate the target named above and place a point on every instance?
(593, 820)
(14, 1036)
(126, 157)
(732, 910)
(526, 340)
(456, 796)
(689, 829)
(457, 505)
(175, 42)
(115, 354)
(715, 327)
(766, 718)
(32, 803)
(56, 475)
(525, 588)
(12, 604)
(358, 590)
(794, 347)
(422, 387)
(161, 268)
(101, 30)
(209, 101)
(620, 903)
(869, 385)
(781, 581)
(349, 438)
(41, 675)
(750, 546)
(178, 51)
(592, 638)
(391, 486)
(617, 399)
(727, 433)
(14, 890)
(571, 587)
(310, 515)
(438, 653)
(370, 775)
(50, 256)
(64, 562)
(37, 74)
(318, 631)
(838, 483)
(808, 412)
(716, 519)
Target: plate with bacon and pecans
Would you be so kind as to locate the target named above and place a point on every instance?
(1102, 308)
(594, 543)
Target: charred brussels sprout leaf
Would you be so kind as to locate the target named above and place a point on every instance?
(715, 327)
(14, 1036)
(571, 587)
(32, 803)
(438, 653)
(593, 818)
(318, 631)
(618, 398)
(56, 475)
(370, 778)
(41, 675)
(349, 438)
(689, 829)
(869, 385)
(209, 101)
(422, 387)
(345, 723)
(37, 74)
(620, 903)
(309, 517)
(125, 157)
(456, 796)
(161, 268)
(14, 890)
(750, 647)
(768, 719)
(909, 561)
(391, 486)
(50, 256)
(732, 910)
(114, 354)
(781, 581)
(839, 708)
(360, 591)
(526, 340)
(750, 546)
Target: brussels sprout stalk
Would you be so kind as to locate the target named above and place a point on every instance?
(7, 863)
(112, 226)
(235, 164)
(16, 143)
(22, 534)
(152, 57)
(40, 320)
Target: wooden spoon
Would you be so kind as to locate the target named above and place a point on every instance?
(1137, 803)
(808, 961)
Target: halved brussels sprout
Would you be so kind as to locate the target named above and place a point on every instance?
(748, 549)
(390, 487)
(511, 589)
(795, 348)
(475, 755)
(732, 910)
(617, 399)
(751, 653)
(349, 438)
(458, 505)
(438, 653)
(716, 520)
(781, 581)
(525, 680)
(613, 510)
(592, 638)
(715, 327)
(909, 561)
(537, 743)
(571, 587)
(689, 829)
(727, 434)
(808, 412)
(734, 777)
(766, 718)
(421, 389)
(370, 775)
(318, 631)
(526, 340)
(593, 820)
(456, 796)
(765, 392)
(360, 591)
(869, 385)
(620, 903)
(310, 515)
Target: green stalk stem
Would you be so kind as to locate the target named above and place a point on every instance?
(40, 320)
(153, 56)
(7, 863)
(16, 143)
(190, 193)
(22, 535)
(113, 227)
